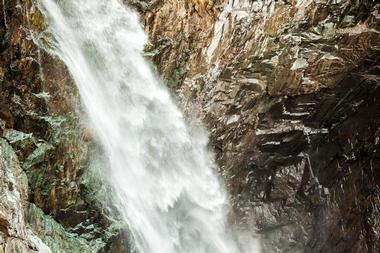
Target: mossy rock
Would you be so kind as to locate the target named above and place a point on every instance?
(142, 5)
(177, 76)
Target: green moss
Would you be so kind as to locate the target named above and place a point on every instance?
(177, 76)
(56, 237)
(8, 153)
(40, 179)
(142, 5)
(55, 122)
(37, 156)
(37, 19)
(96, 189)
(14, 136)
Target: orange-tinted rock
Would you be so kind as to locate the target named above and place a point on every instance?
(273, 80)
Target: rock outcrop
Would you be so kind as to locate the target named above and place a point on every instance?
(15, 236)
(39, 108)
(290, 93)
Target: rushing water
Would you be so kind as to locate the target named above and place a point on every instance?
(162, 173)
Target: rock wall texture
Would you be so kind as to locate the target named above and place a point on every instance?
(54, 171)
(288, 89)
(290, 93)
(14, 234)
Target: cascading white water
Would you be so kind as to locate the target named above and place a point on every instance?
(163, 175)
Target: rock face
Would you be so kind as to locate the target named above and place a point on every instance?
(288, 89)
(14, 234)
(290, 93)
(53, 148)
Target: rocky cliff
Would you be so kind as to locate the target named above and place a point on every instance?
(289, 91)
(47, 156)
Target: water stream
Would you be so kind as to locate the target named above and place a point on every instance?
(163, 175)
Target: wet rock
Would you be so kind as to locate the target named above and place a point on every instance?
(15, 236)
(37, 103)
(289, 91)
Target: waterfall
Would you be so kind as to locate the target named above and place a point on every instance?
(164, 177)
